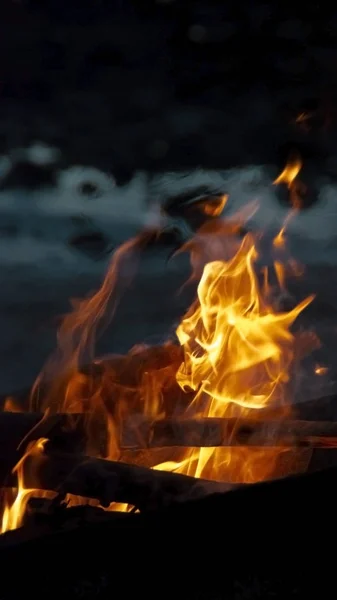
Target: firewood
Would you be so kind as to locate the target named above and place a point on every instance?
(67, 432)
(213, 432)
(111, 481)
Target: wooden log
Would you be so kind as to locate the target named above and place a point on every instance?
(109, 481)
(67, 432)
(213, 432)
(323, 408)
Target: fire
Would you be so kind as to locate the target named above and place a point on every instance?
(214, 208)
(290, 171)
(289, 177)
(14, 510)
(303, 120)
(321, 370)
(234, 359)
(279, 240)
(237, 356)
(302, 117)
(11, 405)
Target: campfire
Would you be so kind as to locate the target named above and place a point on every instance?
(208, 411)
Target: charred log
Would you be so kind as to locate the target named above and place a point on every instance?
(109, 481)
(67, 432)
(214, 432)
(64, 432)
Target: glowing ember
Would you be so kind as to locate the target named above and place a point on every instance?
(11, 405)
(321, 370)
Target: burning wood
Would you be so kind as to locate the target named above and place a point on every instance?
(233, 366)
(215, 432)
(300, 520)
(85, 478)
(111, 481)
(66, 432)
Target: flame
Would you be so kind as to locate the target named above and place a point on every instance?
(296, 188)
(303, 117)
(279, 240)
(173, 466)
(321, 370)
(290, 171)
(14, 510)
(237, 357)
(234, 358)
(11, 405)
(303, 120)
(79, 328)
(289, 177)
(215, 206)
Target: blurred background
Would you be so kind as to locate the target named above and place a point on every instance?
(111, 112)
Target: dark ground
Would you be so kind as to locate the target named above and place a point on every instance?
(262, 543)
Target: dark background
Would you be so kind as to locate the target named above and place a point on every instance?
(164, 84)
(156, 86)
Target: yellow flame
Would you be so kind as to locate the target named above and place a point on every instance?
(173, 466)
(214, 207)
(321, 370)
(302, 117)
(279, 240)
(14, 510)
(289, 177)
(237, 355)
(290, 171)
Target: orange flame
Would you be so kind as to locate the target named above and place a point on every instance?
(234, 359)
(289, 177)
(79, 329)
(303, 120)
(321, 370)
(237, 354)
(11, 405)
(290, 171)
(14, 510)
(296, 188)
(215, 206)
(279, 240)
